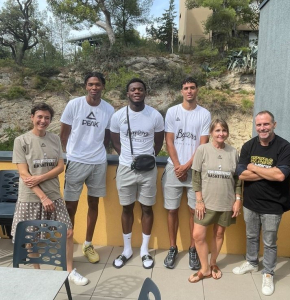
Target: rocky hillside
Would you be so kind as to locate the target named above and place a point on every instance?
(230, 96)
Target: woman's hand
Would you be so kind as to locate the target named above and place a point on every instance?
(236, 208)
(32, 181)
(200, 209)
(48, 205)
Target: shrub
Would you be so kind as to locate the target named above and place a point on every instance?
(244, 92)
(163, 153)
(15, 92)
(7, 62)
(247, 105)
(119, 80)
(11, 134)
(43, 83)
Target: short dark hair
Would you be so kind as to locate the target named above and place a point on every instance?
(221, 122)
(263, 112)
(189, 80)
(99, 75)
(42, 106)
(135, 80)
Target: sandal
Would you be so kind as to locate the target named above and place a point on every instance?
(199, 275)
(216, 270)
(123, 258)
(147, 258)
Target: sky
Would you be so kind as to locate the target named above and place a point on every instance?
(157, 9)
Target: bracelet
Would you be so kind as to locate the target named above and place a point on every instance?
(238, 198)
(44, 199)
(199, 201)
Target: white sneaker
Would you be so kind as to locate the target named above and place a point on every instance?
(244, 268)
(77, 278)
(267, 285)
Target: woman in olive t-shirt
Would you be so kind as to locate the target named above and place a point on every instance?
(218, 201)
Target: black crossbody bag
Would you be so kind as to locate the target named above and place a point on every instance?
(142, 162)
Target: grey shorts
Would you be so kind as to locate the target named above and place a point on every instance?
(76, 174)
(172, 188)
(135, 185)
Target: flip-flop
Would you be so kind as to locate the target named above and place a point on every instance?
(216, 270)
(123, 258)
(148, 258)
(199, 275)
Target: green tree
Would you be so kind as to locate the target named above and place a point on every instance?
(87, 50)
(166, 31)
(19, 27)
(226, 16)
(58, 32)
(128, 14)
(84, 13)
(109, 15)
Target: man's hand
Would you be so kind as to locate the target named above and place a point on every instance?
(181, 171)
(251, 167)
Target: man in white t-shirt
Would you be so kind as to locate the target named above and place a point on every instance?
(146, 133)
(85, 134)
(186, 127)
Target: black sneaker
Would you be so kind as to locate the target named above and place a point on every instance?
(170, 258)
(194, 263)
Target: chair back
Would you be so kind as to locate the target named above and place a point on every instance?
(40, 242)
(9, 180)
(149, 287)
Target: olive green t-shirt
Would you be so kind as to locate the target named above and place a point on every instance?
(217, 167)
(41, 154)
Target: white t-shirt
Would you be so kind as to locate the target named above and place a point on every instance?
(86, 140)
(143, 125)
(188, 126)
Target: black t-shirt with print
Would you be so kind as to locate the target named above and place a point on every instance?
(265, 196)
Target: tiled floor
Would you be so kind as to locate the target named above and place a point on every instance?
(108, 283)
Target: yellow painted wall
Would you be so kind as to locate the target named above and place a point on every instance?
(109, 231)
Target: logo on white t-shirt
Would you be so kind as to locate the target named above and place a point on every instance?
(182, 135)
(89, 122)
(177, 119)
(91, 116)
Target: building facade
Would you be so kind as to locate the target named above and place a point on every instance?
(191, 25)
(273, 67)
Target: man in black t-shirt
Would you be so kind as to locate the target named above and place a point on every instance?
(264, 166)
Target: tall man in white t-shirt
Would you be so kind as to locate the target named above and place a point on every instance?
(85, 134)
(146, 133)
(186, 127)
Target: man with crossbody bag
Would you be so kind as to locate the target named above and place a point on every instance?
(137, 133)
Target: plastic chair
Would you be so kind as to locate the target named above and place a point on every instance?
(41, 242)
(149, 287)
(9, 180)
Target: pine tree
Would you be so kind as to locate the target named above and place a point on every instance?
(166, 32)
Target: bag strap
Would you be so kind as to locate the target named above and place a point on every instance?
(129, 129)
